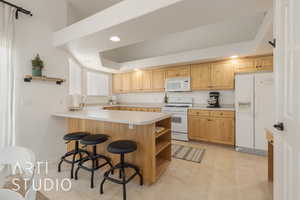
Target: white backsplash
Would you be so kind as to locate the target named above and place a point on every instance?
(199, 97)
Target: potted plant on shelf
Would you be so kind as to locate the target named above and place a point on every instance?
(37, 66)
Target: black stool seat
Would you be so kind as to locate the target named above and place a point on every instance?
(93, 139)
(75, 136)
(122, 146)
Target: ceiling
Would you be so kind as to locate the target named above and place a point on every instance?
(237, 30)
(158, 29)
(86, 8)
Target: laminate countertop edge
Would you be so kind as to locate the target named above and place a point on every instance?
(225, 107)
(114, 116)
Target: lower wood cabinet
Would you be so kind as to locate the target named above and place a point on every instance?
(198, 128)
(212, 126)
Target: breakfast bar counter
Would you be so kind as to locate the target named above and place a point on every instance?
(151, 131)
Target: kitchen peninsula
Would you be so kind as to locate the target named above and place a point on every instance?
(154, 147)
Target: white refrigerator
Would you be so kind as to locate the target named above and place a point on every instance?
(254, 104)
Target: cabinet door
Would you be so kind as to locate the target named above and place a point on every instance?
(245, 66)
(158, 80)
(222, 75)
(198, 128)
(264, 63)
(183, 71)
(136, 81)
(200, 76)
(117, 83)
(126, 82)
(146, 80)
(222, 131)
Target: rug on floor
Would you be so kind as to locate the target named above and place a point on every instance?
(40, 196)
(187, 153)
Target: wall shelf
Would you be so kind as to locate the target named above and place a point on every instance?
(29, 78)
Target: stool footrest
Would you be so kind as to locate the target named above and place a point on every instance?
(106, 175)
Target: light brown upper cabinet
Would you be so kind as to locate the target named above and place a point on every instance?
(117, 83)
(126, 82)
(136, 81)
(200, 76)
(146, 80)
(245, 65)
(264, 63)
(248, 65)
(222, 75)
(182, 71)
(158, 80)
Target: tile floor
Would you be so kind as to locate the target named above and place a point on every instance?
(223, 174)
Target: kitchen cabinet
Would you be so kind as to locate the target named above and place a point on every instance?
(221, 130)
(245, 65)
(146, 80)
(117, 83)
(212, 126)
(198, 128)
(264, 63)
(182, 71)
(250, 65)
(126, 82)
(222, 75)
(208, 76)
(200, 76)
(204, 76)
(136, 81)
(158, 80)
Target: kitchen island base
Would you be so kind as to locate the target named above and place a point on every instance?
(154, 149)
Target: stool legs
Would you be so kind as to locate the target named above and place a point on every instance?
(72, 153)
(94, 157)
(124, 183)
(121, 166)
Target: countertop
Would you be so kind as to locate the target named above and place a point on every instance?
(228, 107)
(144, 105)
(116, 116)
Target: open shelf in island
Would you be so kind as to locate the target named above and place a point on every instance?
(163, 148)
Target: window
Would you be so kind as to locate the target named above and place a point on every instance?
(97, 84)
(75, 73)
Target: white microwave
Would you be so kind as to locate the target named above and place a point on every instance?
(181, 84)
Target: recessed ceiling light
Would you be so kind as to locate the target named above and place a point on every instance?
(115, 39)
(234, 56)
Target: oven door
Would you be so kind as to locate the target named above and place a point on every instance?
(179, 122)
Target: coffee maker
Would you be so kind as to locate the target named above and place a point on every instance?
(213, 101)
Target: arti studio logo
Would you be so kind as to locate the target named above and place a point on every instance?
(29, 178)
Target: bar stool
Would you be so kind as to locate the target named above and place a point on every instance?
(76, 136)
(93, 140)
(122, 147)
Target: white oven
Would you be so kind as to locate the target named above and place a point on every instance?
(178, 84)
(179, 122)
(178, 108)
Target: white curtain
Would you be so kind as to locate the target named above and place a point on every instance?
(7, 71)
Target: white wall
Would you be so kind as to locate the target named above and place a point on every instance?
(199, 97)
(36, 101)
